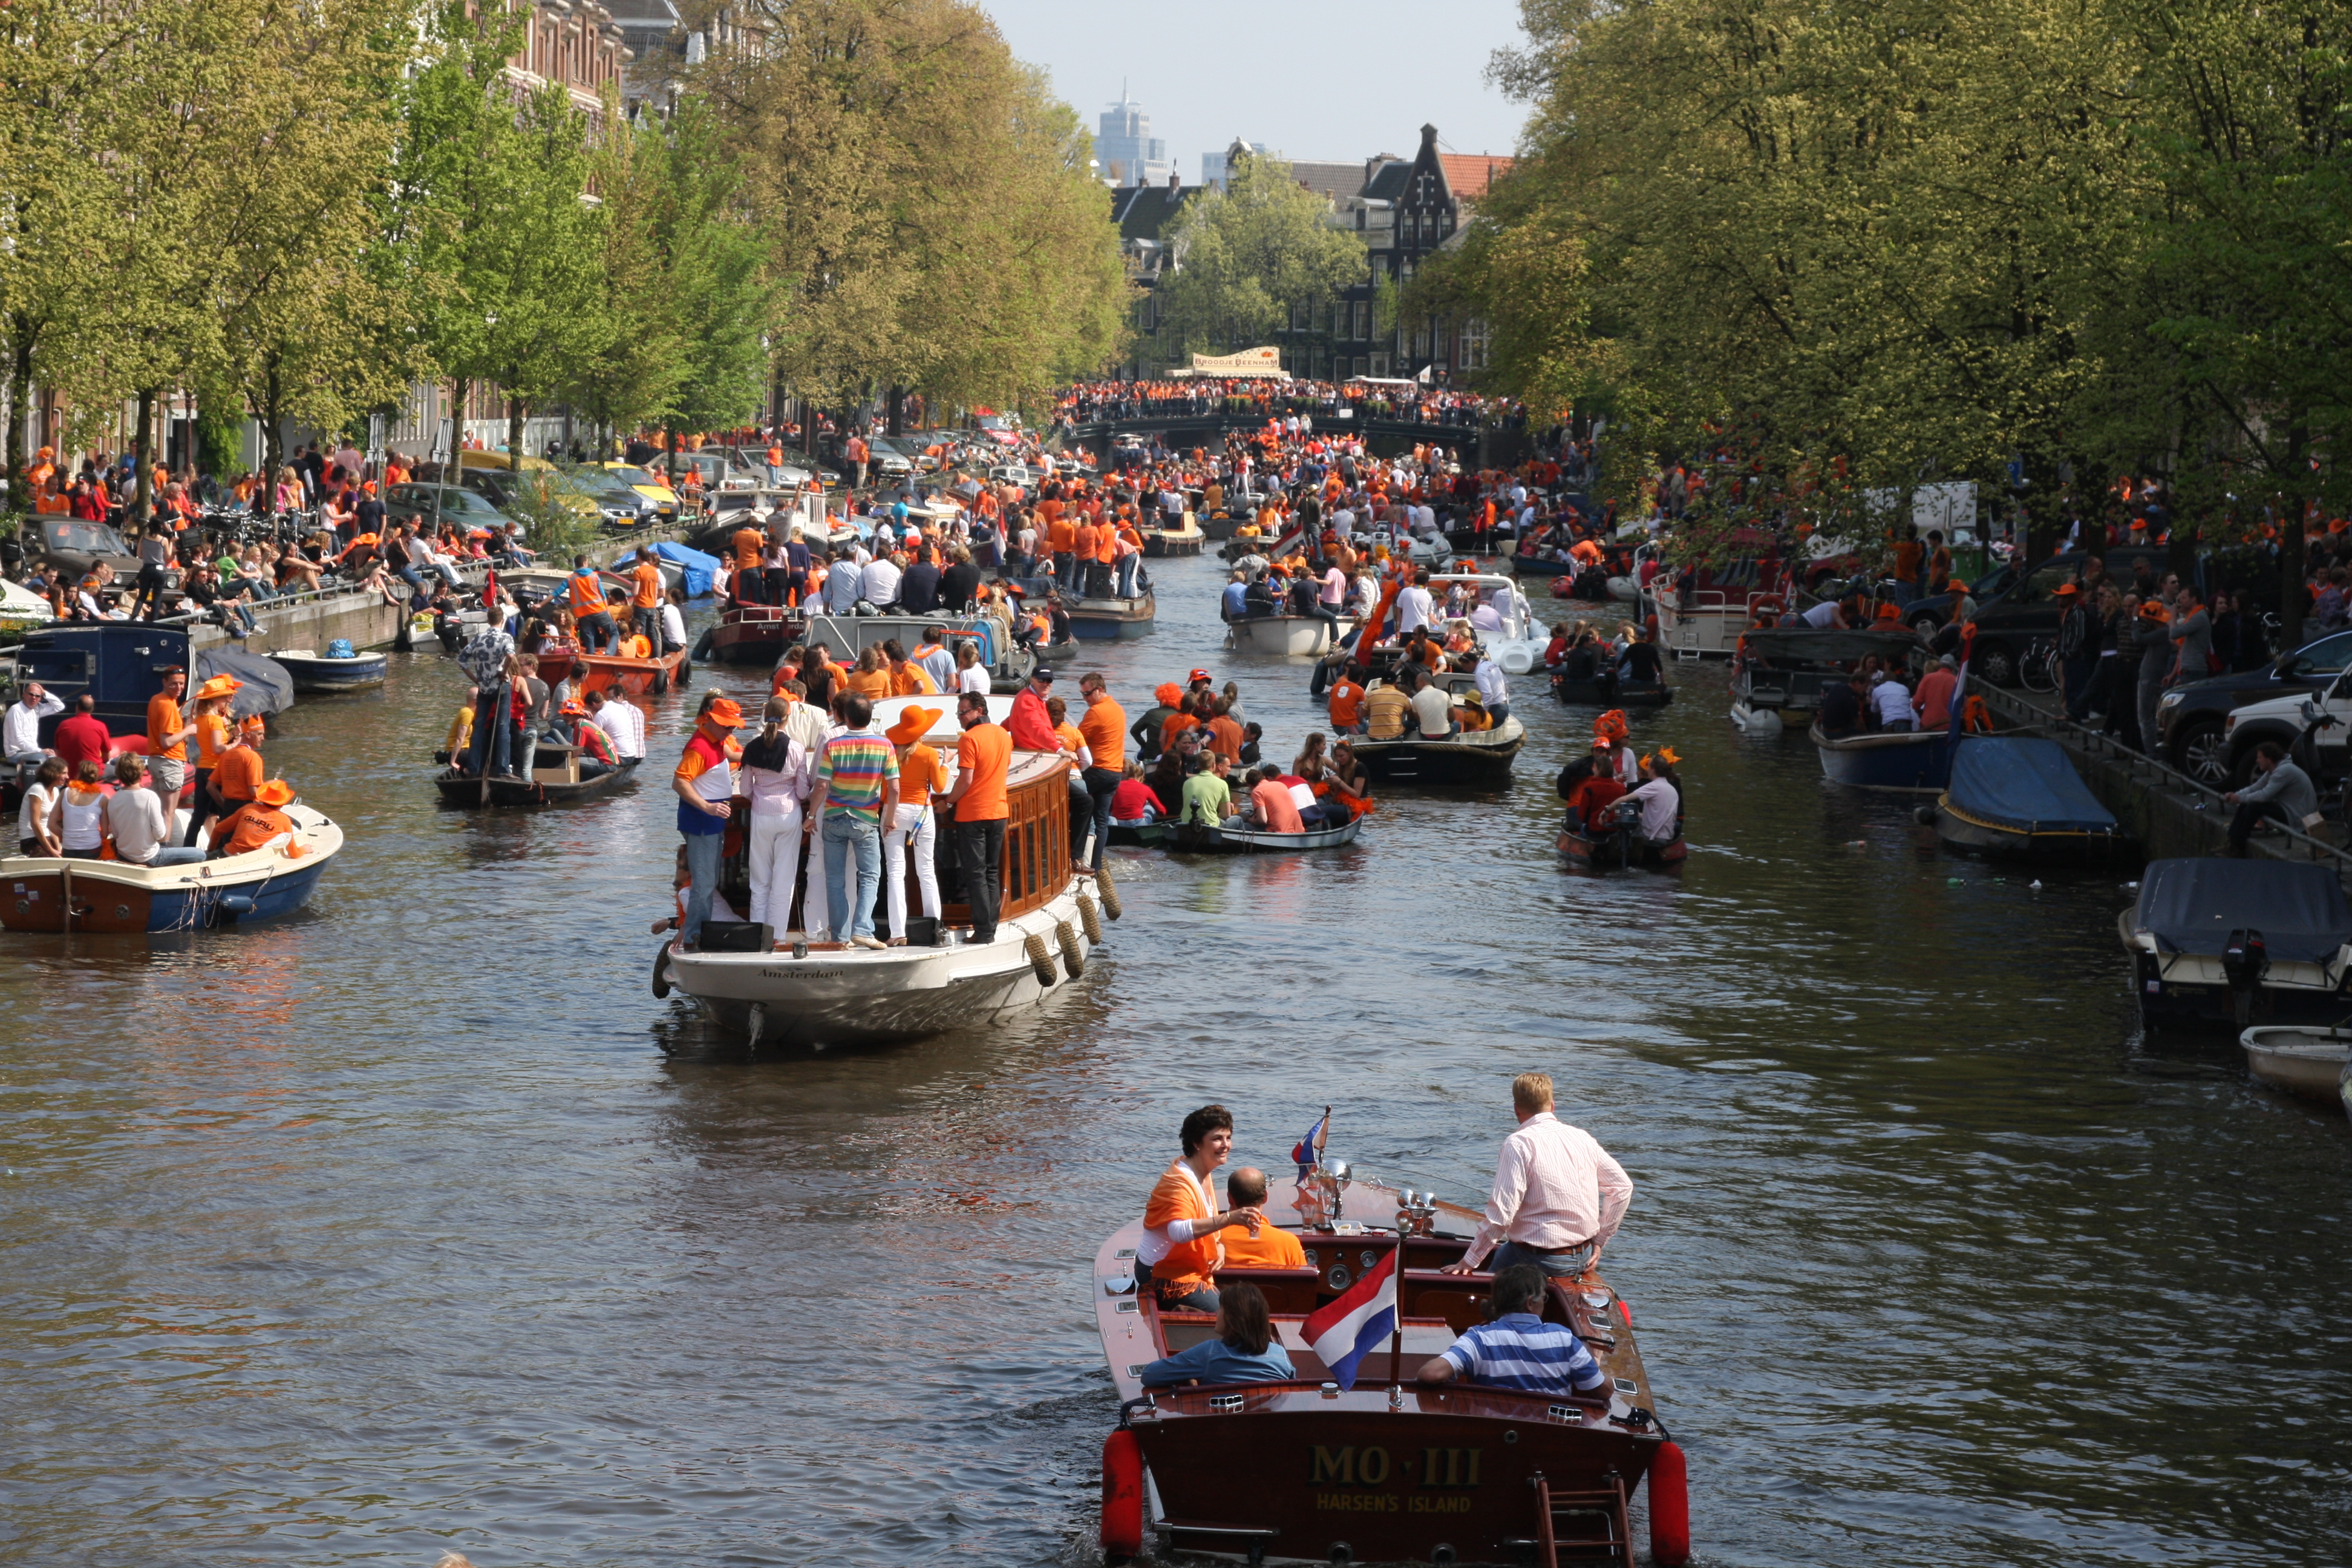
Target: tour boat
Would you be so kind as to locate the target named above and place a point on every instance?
(1903, 762)
(1293, 637)
(2310, 1063)
(1108, 619)
(2238, 943)
(1184, 541)
(1197, 838)
(1707, 618)
(1387, 1468)
(1611, 693)
(1480, 758)
(554, 781)
(630, 677)
(316, 672)
(846, 636)
(115, 898)
(829, 992)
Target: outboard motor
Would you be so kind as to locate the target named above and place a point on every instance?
(2245, 960)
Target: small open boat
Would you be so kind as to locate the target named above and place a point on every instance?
(2238, 943)
(1384, 1468)
(1140, 832)
(2018, 797)
(1293, 637)
(1101, 620)
(1612, 692)
(630, 677)
(1185, 541)
(115, 898)
(1478, 758)
(825, 993)
(554, 781)
(1914, 763)
(1623, 849)
(1195, 838)
(314, 671)
(2310, 1063)
(750, 633)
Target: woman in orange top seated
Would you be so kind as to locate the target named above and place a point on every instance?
(871, 680)
(1179, 1254)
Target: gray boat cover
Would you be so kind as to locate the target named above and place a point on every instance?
(267, 688)
(2024, 783)
(2192, 906)
(1806, 646)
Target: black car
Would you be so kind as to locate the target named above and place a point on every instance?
(2192, 719)
(2023, 609)
(76, 548)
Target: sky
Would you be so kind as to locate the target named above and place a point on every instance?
(1323, 80)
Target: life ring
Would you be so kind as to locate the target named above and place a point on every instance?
(1767, 606)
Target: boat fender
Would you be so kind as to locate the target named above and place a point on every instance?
(1074, 961)
(1039, 959)
(661, 974)
(1670, 1538)
(1110, 894)
(236, 904)
(702, 644)
(661, 682)
(1088, 919)
(1925, 815)
(1122, 1495)
(1516, 661)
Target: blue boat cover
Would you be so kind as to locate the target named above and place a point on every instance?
(2025, 782)
(696, 571)
(2192, 906)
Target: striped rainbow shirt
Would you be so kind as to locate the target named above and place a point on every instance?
(852, 767)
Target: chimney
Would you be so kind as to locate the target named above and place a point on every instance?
(1428, 138)
(1175, 181)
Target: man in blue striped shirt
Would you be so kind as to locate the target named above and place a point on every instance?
(1519, 1349)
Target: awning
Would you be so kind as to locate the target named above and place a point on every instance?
(1249, 362)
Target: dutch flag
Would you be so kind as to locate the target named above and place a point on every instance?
(1342, 1333)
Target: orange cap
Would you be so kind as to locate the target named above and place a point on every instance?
(725, 712)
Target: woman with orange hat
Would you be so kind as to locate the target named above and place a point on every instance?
(921, 774)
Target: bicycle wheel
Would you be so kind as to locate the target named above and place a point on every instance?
(2039, 667)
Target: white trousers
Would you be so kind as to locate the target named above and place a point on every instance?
(775, 871)
(924, 825)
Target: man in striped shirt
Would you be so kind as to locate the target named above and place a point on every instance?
(857, 791)
(1519, 1349)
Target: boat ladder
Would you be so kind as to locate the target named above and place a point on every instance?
(1582, 1527)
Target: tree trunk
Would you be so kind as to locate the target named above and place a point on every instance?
(450, 467)
(2291, 556)
(897, 409)
(669, 445)
(517, 412)
(21, 335)
(272, 415)
(142, 446)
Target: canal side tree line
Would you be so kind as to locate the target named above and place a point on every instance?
(1829, 252)
(293, 214)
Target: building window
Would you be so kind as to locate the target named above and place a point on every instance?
(1473, 344)
(1413, 228)
(1379, 364)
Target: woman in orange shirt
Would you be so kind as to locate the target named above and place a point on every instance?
(870, 679)
(921, 774)
(1180, 1255)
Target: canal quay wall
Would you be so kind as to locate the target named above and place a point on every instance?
(2169, 813)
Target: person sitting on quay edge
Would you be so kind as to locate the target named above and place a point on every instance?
(1244, 1351)
(1517, 1349)
(2279, 790)
(1272, 1246)
(1179, 1254)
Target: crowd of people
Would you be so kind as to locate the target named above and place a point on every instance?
(1294, 401)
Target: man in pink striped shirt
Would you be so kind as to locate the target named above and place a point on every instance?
(1557, 1197)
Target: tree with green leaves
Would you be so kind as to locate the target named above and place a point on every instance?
(1244, 255)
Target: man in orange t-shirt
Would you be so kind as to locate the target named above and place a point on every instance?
(645, 605)
(167, 741)
(1272, 1246)
(1348, 703)
(984, 762)
(1103, 727)
(1062, 544)
(1226, 735)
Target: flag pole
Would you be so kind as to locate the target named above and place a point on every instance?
(1396, 1339)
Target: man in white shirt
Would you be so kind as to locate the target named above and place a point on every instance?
(20, 734)
(1890, 700)
(1415, 608)
(1433, 707)
(1558, 1196)
(1492, 692)
(1826, 615)
(135, 820)
(620, 721)
(877, 584)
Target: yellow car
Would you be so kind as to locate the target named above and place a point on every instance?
(495, 476)
(647, 484)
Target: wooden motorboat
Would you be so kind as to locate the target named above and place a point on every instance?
(1541, 565)
(115, 898)
(2238, 943)
(1612, 692)
(1196, 839)
(750, 633)
(1292, 637)
(1140, 832)
(2018, 797)
(1108, 620)
(315, 672)
(631, 677)
(1185, 541)
(1478, 758)
(1778, 676)
(1387, 1468)
(2310, 1063)
(1622, 849)
(554, 781)
(826, 993)
(1220, 527)
(1917, 762)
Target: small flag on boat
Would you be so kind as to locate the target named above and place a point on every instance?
(490, 589)
(1310, 1150)
(1345, 1331)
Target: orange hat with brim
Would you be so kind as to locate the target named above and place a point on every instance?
(912, 725)
(2065, 590)
(274, 792)
(724, 711)
(2154, 610)
(573, 711)
(219, 686)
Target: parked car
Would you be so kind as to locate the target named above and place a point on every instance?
(647, 484)
(76, 548)
(2194, 720)
(718, 471)
(467, 508)
(617, 500)
(2024, 609)
(2283, 719)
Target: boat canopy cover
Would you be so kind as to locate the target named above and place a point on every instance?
(696, 571)
(2192, 906)
(1802, 645)
(2025, 781)
(267, 688)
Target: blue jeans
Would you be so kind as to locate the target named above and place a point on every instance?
(844, 836)
(492, 750)
(1555, 1264)
(177, 857)
(1127, 565)
(703, 853)
(597, 633)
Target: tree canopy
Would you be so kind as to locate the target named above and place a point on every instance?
(1245, 254)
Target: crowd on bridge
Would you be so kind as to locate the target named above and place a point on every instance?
(1402, 400)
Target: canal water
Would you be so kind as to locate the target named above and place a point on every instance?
(416, 1223)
